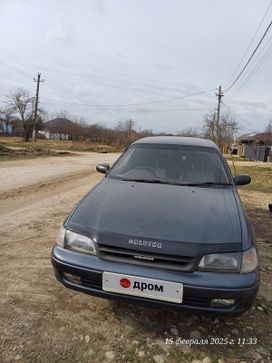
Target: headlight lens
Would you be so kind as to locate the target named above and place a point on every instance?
(61, 236)
(243, 262)
(229, 262)
(249, 261)
(78, 242)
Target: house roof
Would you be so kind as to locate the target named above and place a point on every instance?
(59, 125)
(247, 136)
(264, 136)
(261, 136)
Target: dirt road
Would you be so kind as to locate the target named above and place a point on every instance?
(41, 321)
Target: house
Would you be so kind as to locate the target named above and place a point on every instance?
(58, 129)
(5, 127)
(255, 146)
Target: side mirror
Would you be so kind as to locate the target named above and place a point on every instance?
(102, 168)
(242, 179)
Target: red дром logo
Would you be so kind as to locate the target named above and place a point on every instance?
(125, 283)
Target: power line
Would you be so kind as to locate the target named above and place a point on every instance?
(20, 68)
(21, 71)
(148, 111)
(25, 70)
(60, 87)
(250, 43)
(181, 110)
(133, 104)
(257, 68)
(249, 127)
(54, 85)
(250, 58)
(255, 65)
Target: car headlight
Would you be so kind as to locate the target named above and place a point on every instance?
(230, 262)
(75, 241)
(78, 242)
(242, 262)
(249, 260)
(61, 237)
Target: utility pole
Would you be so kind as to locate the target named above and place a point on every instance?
(38, 80)
(219, 95)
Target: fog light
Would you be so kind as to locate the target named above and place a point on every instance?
(72, 278)
(222, 302)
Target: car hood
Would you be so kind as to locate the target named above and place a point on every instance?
(185, 220)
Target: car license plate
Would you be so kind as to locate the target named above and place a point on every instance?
(143, 287)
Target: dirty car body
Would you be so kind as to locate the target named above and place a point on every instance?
(165, 227)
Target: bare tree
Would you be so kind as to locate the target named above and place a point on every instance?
(209, 126)
(228, 127)
(269, 127)
(190, 132)
(22, 104)
(6, 113)
(61, 114)
(125, 132)
(126, 126)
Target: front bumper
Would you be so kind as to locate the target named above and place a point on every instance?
(198, 287)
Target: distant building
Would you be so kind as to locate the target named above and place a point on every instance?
(255, 146)
(58, 129)
(5, 128)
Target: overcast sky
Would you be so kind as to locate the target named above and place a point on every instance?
(97, 52)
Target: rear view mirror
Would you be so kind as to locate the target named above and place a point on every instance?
(242, 179)
(102, 168)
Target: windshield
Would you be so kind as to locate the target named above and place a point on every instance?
(171, 164)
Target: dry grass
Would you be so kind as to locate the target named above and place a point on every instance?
(235, 157)
(261, 177)
(57, 145)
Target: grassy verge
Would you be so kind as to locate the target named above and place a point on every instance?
(23, 154)
(58, 145)
(261, 177)
(235, 157)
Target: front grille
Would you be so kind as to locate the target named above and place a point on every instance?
(172, 262)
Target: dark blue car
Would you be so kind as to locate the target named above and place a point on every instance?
(165, 227)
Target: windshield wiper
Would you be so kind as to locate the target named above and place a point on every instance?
(159, 181)
(204, 184)
(155, 181)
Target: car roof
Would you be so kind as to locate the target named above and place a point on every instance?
(177, 140)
